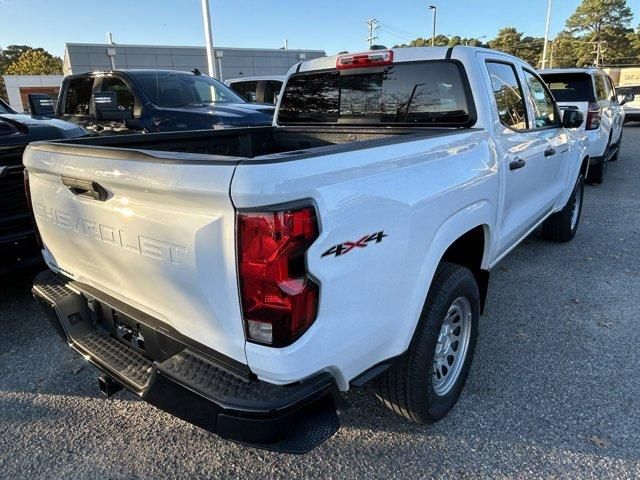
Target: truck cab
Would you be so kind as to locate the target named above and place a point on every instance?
(125, 101)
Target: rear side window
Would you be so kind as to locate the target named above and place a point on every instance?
(247, 90)
(570, 87)
(123, 94)
(544, 108)
(508, 94)
(602, 93)
(424, 93)
(78, 96)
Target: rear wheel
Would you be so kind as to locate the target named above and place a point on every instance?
(563, 225)
(424, 384)
(597, 172)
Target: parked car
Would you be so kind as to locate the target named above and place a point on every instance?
(18, 244)
(591, 91)
(125, 101)
(241, 278)
(264, 89)
(632, 106)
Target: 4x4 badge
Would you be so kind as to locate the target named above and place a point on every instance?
(346, 247)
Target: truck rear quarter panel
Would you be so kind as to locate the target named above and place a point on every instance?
(423, 194)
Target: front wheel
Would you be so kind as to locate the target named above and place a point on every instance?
(424, 384)
(563, 225)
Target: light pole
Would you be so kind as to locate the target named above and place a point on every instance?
(433, 33)
(209, 38)
(546, 37)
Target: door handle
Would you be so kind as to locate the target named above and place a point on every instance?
(516, 164)
(549, 152)
(86, 188)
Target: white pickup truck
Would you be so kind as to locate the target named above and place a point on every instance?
(242, 278)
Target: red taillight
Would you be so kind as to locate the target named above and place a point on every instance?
(594, 116)
(367, 59)
(279, 300)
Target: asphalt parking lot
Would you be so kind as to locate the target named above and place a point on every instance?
(554, 390)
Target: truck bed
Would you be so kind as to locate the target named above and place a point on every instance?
(250, 144)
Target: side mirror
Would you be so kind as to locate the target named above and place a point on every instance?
(40, 104)
(105, 106)
(572, 118)
(626, 98)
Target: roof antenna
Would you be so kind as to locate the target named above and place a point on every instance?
(195, 71)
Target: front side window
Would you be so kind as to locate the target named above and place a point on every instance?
(272, 90)
(544, 108)
(425, 93)
(78, 96)
(123, 94)
(172, 89)
(508, 94)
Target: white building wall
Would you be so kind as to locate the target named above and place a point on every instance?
(13, 83)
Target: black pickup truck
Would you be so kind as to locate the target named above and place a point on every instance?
(18, 244)
(127, 101)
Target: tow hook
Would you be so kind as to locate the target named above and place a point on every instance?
(108, 385)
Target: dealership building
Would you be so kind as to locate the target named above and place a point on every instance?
(230, 62)
(89, 57)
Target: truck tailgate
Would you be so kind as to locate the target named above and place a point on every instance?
(153, 229)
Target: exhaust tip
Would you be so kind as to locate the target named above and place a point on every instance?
(108, 385)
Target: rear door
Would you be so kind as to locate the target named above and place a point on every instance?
(75, 104)
(525, 198)
(609, 120)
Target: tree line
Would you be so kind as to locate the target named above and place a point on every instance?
(598, 33)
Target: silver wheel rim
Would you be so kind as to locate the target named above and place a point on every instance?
(576, 209)
(452, 346)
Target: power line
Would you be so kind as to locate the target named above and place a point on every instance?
(373, 26)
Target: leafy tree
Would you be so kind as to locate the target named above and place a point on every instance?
(507, 40)
(511, 41)
(12, 53)
(602, 26)
(562, 51)
(35, 62)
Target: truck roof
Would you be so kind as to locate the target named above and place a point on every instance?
(587, 70)
(130, 71)
(406, 54)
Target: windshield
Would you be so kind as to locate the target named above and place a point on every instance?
(425, 93)
(570, 87)
(172, 89)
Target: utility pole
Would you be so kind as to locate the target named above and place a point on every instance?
(433, 31)
(546, 36)
(373, 25)
(206, 18)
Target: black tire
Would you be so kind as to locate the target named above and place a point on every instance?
(597, 172)
(560, 227)
(407, 387)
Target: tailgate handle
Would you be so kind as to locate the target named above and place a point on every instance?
(86, 188)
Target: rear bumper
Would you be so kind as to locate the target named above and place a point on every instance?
(183, 381)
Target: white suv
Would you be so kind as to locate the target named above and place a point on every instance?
(591, 91)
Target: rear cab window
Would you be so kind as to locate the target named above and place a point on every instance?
(125, 97)
(78, 96)
(428, 93)
(570, 87)
(246, 89)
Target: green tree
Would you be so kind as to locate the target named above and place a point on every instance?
(602, 26)
(562, 51)
(507, 40)
(35, 62)
(511, 41)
